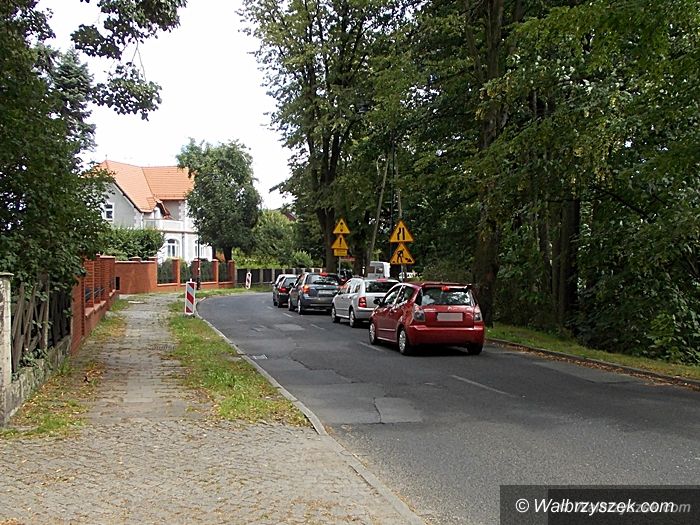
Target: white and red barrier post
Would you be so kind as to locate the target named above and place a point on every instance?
(189, 297)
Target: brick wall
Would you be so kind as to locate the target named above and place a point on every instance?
(137, 276)
(92, 297)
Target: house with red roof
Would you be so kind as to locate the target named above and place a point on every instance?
(154, 197)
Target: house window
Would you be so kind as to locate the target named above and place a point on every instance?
(108, 211)
(172, 247)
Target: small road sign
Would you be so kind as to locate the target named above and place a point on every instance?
(401, 234)
(340, 252)
(341, 228)
(402, 255)
(340, 243)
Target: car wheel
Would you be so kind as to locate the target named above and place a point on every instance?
(334, 317)
(404, 344)
(474, 349)
(372, 333)
(354, 323)
(300, 308)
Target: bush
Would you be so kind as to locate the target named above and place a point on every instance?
(124, 243)
(165, 272)
(300, 259)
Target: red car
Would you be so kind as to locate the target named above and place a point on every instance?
(413, 314)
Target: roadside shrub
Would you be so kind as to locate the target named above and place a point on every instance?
(124, 243)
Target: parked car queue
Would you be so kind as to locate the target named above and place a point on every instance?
(409, 315)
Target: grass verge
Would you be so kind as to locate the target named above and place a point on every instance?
(237, 390)
(201, 294)
(58, 406)
(533, 338)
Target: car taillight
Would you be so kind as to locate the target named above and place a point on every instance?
(477, 314)
(305, 288)
(283, 289)
(362, 302)
(418, 313)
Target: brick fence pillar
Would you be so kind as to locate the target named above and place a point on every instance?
(90, 282)
(98, 280)
(215, 270)
(104, 273)
(232, 272)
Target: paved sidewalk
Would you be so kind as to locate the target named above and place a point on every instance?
(151, 454)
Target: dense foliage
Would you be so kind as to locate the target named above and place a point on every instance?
(124, 243)
(277, 239)
(49, 210)
(224, 203)
(546, 151)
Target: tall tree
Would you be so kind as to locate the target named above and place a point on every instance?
(49, 212)
(224, 203)
(49, 216)
(604, 105)
(315, 54)
(73, 84)
(274, 237)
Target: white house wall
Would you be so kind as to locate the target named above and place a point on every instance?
(125, 215)
(182, 230)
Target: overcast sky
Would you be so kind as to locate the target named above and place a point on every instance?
(211, 91)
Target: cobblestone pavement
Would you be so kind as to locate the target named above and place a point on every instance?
(151, 454)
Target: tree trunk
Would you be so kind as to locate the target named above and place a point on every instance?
(370, 249)
(545, 251)
(486, 269)
(326, 218)
(567, 298)
(555, 228)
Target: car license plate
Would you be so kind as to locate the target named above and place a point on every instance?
(325, 292)
(449, 316)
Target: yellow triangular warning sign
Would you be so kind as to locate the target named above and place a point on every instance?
(401, 234)
(402, 255)
(340, 243)
(341, 228)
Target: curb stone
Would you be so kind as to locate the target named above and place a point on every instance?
(676, 380)
(397, 504)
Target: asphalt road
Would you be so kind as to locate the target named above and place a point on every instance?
(444, 430)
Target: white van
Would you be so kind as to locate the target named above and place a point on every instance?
(378, 270)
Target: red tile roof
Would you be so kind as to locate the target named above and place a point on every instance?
(147, 187)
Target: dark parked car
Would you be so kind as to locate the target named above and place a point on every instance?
(413, 314)
(280, 290)
(313, 291)
(344, 275)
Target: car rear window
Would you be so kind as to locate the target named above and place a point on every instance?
(288, 281)
(324, 279)
(378, 286)
(450, 296)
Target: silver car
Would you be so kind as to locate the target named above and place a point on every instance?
(355, 300)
